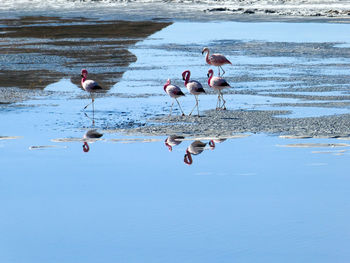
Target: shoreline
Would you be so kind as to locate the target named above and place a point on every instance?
(59, 49)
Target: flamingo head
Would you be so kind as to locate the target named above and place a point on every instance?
(84, 73)
(210, 73)
(212, 144)
(185, 74)
(167, 84)
(188, 158)
(86, 147)
(205, 50)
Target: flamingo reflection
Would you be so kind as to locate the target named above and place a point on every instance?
(195, 148)
(90, 136)
(173, 140)
(214, 141)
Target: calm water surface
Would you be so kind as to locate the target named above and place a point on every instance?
(259, 198)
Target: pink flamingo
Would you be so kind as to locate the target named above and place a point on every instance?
(195, 148)
(213, 141)
(89, 86)
(216, 60)
(173, 140)
(89, 136)
(218, 83)
(174, 92)
(194, 87)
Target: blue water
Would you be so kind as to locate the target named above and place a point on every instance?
(248, 200)
(131, 200)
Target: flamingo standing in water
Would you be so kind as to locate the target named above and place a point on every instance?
(216, 60)
(218, 83)
(174, 92)
(194, 87)
(89, 86)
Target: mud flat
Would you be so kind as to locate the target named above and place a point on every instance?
(226, 123)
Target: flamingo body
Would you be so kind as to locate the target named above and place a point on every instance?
(173, 140)
(89, 86)
(88, 137)
(174, 92)
(92, 134)
(193, 86)
(218, 83)
(216, 59)
(195, 148)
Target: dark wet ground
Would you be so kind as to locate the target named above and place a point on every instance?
(38, 51)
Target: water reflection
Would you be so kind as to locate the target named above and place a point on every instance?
(90, 136)
(40, 51)
(213, 142)
(195, 148)
(173, 140)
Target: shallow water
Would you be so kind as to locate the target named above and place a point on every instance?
(253, 198)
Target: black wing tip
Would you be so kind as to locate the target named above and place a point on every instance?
(201, 90)
(97, 87)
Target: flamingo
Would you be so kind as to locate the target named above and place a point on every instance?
(174, 92)
(194, 87)
(213, 141)
(218, 83)
(173, 140)
(90, 134)
(216, 60)
(195, 148)
(89, 86)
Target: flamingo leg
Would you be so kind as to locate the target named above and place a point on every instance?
(196, 105)
(171, 108)
(183, 114)
(218, 107)
(223, 71)
(92, 101)
(224, 101)
(93, 112)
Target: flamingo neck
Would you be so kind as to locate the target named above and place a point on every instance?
(168, 145)
(166, 85)
(187, 77)
(210, 77)
(188, 158)
(212, 144)
(207, 57)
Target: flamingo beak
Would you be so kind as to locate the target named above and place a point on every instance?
(82, 75)
(208, 75)
(202, 52)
